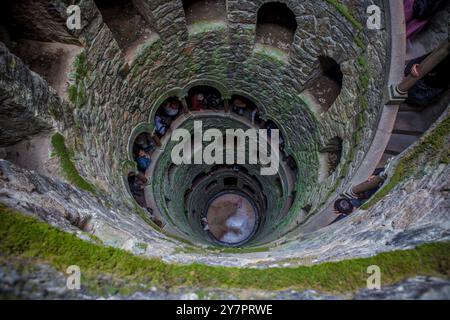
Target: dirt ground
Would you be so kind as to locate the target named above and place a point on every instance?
(231, 218)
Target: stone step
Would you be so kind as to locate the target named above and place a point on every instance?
(409, 122)
(400, 142)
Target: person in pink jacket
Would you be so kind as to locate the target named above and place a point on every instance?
(418, 14)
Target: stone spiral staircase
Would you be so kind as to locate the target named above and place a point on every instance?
(114, 93)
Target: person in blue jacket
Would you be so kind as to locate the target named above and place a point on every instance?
(143, 161)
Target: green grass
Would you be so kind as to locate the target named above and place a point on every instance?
(432, 148)
(67, 166)
(26, 238)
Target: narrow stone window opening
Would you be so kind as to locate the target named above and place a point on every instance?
(129, 26)
(276, 26)
(199, 178)
(332, 152)
(230, 182)
(326, 85)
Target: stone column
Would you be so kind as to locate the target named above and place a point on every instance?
(157, 140)
(226, 105)
(184, 104)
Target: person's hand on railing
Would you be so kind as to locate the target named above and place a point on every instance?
(415, 72)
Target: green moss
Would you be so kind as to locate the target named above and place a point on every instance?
(25, 237)
(346, 13)
(12, 63)
(360, 43)
(67, 166)
(77, 90)
(93, 238)
(432, 148)
(206, 26)
(270, 53)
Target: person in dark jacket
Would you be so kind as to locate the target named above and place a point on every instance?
(359, 194)
(137, 185)
(145, 142)
(429, 89)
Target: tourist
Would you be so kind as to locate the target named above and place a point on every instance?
(239, 106)
(143, 161)
(213, 101)
(205, 224)
(198, 102)
(367, 189)
(281, 143)
(255, 116)
(137, 185)
(430, 88)
(418, 14)
(342, 208)
(172, 108)
(161, 125)
(359, 194)
(145, 142)
(270, 126)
